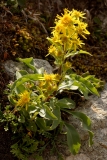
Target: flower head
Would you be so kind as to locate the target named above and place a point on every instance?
(51, 77)
(24, 99)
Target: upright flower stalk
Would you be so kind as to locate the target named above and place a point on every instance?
(69, 28)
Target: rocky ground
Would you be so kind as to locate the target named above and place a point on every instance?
(23, 36)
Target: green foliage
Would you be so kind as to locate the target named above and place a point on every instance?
(24, 148)
(35, 110)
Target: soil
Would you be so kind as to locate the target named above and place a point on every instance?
(11, 22)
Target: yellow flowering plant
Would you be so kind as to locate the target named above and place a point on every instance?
(35, 108)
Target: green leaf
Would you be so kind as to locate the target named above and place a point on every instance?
(20, 73)
(49, 114)
(32, 109)
(21, 119)
(11, 99)
(84, 52)
(67, 84)
(80, 80)
(73, 139)
(95, 81)
(82, 88)
(41, 123)
(29, 63)
(57, 113)
(85, 121)
(20, 89)
(31, 126)
(73, 53)
(66, 103)
(26, 78)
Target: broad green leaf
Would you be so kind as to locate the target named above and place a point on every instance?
(65, 85)
(85, 121)
(26, 78)
(32, 109)
(85, 82)
(20, 73)
(95, 81)
(82, 88)
(49, 114)
(73, 139)
(20, 89)
(41, 123)
(57, 113)
(66, 103)
(29, 63)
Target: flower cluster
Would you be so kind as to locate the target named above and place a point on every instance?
(49, 84)
(69, 27)
(24, 99)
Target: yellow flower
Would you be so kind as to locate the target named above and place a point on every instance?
(76, 43)
(55, 52)
(66, 33)
(51, 77)
(59, 28)
(66, 19)
(66, 66)
(49, 84)
(78, 14)
(52, 49)
(24, 99)
(81, 29)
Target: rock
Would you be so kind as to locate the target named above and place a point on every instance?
(95, 108)
(78, 157)
(11, 66)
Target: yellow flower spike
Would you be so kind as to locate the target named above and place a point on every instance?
(24, 99)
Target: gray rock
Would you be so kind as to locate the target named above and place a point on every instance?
(11, 66)
(95, 108)
(78, 157)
